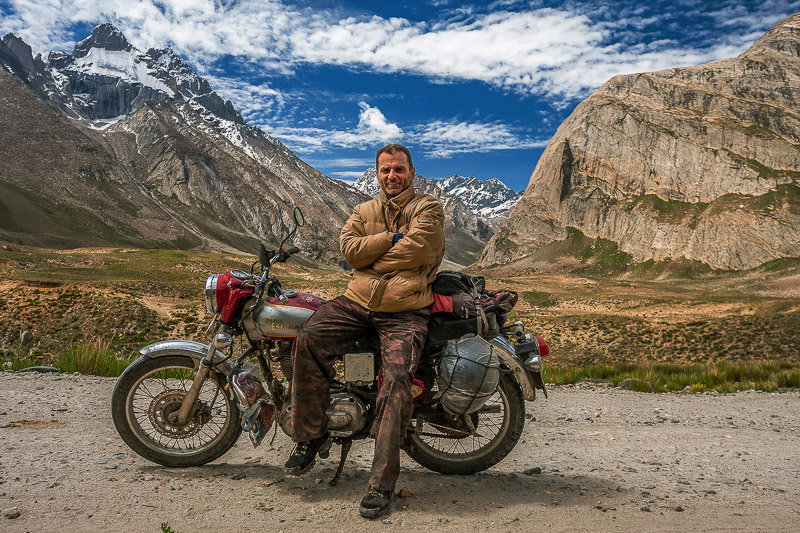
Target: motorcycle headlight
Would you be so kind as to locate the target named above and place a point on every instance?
(211, 294)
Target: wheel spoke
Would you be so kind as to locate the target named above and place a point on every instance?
(442, 442)
(160, 394)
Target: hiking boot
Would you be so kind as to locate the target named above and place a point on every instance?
(304, 454)
(376, 502)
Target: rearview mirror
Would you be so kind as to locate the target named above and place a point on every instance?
(298, 217)
(263, 255)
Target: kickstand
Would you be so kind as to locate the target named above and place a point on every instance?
(346, 444)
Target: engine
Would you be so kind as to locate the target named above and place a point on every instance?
(347, 416)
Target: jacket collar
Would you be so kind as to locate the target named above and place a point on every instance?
(399, 201)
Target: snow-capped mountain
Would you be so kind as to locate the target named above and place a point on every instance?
(148, 155)
(490, 200)
(105, 78)
(151, 155)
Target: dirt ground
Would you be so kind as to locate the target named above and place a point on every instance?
(590, 459)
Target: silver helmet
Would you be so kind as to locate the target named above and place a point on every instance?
(468, 374)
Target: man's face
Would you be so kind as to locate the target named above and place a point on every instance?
(394, 173)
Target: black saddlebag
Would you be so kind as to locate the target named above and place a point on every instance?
(442, 329)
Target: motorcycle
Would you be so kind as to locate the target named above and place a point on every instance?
(184, 403)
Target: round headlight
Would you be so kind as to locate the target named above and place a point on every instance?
(211, 294)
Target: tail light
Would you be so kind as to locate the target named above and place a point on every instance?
(544, 349)
(533, 351)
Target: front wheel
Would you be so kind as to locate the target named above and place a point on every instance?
(498, 427)
(152, 389)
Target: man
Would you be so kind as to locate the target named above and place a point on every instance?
(395, 244)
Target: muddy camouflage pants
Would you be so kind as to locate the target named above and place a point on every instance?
(323, 340)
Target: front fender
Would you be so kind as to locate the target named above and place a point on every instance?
(193, 349)
(509, 358)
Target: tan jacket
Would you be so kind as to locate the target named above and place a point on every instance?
(392, 278)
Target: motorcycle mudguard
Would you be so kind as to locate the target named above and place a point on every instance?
(193, 349)
(509, 358)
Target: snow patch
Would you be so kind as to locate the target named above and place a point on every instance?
(118, 64)
(104, 123)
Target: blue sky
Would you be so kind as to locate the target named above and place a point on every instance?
(475, 89)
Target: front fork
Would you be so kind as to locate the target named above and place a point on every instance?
(221, 341)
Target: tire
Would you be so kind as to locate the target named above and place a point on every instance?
(149, 390)
(440, 452)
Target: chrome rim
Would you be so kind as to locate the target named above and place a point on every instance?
(159, 394)
(491, 426)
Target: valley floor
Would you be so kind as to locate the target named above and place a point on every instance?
(590, 459)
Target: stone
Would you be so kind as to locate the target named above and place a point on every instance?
(238, 476)
(11, 513)
(533, 471)
(630, 383)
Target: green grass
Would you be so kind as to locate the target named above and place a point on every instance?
(668, 210)
(672, 269)
(722, 376)
(604, 258)
(91, 357)
(778, 265)
(17, 362)
(539, 298)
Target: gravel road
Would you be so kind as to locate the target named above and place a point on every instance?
(591, 459)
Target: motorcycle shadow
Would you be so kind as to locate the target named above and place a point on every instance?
(417, 488)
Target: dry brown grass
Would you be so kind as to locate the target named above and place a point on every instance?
(138, 296)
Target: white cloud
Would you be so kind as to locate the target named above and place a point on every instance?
(555, 52)
(349, 162)
(372, 129)
(349, 175)
(252, 101)
(372, 124)
(440, 139)
(445, 139)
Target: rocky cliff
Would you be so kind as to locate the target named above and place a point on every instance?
(700, 163)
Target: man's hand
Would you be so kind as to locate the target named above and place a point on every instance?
(420, 244)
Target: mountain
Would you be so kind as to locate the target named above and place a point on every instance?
(491, 199)
(698, 163)
(112, 146)
(465, 232)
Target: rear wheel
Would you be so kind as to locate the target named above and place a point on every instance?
(450, 449)
(153, 389)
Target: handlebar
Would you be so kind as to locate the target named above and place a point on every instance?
(284, 254)
(275, 285)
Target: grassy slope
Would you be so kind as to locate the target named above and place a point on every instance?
(137, 296)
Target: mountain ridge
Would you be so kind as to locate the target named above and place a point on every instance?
(183, 165)
(694, 163)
